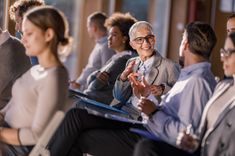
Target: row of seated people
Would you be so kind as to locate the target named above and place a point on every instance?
(100, 82)
(26, 129)
(164, 72)
(214, 134)
(181, 108)
(183, 105)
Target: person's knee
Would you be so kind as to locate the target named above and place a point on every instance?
(141, 147)
(145, 143)
(71, 120)
(71, 112)
(74, 113)
(76, 118)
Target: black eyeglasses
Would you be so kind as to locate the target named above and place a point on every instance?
(148, 38)
(226, 53)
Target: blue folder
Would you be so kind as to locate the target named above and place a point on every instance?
(122, 119)
(89, 103)
(76, 93)
(106, 111)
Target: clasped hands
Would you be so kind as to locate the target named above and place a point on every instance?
(141, 89)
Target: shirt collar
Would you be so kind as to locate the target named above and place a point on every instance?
(117, 55)
(194, 67)
(148, 62)
(125, 52)
(4, 36)
(102, 40)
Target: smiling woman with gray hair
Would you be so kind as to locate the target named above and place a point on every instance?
(160, 73)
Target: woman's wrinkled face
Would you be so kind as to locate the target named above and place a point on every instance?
(228, 57)
(33, 38)
(143, 42)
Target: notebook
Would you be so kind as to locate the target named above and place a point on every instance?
(92, 104)
(76, 93)
(106, 111)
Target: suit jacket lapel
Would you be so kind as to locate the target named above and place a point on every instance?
(221, 116)
(137, 64)
(154, 71)
(202, 126)
(209, 103)
(227, 107)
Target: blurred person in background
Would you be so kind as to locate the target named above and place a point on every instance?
(100, 54)
(230, 26)
(13, 63)
(101, 82)
(17, 11)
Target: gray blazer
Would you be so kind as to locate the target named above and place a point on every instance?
(220, 138)
(163, 71)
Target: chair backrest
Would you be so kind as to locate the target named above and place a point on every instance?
(40, 148)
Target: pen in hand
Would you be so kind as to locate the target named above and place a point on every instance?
(189, 129)
(187, 140)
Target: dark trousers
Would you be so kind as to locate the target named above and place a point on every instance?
(10, 150)
(147, 147)
(81, 132)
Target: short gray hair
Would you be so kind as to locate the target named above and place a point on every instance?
(137, 25)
